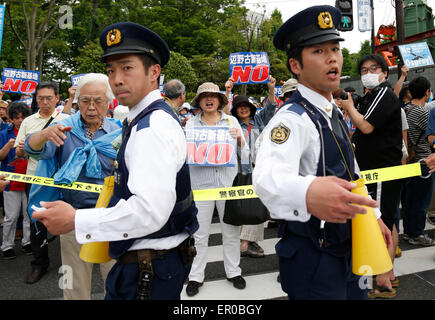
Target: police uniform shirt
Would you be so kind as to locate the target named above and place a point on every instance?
(285, 169)
(153, 156)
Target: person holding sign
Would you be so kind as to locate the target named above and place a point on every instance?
(305, 164)
(208, 173)
(69, 105)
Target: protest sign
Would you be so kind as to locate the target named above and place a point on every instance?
(75, 79)
(416, 55)
(211, 146)
(20, 81)
(249, 67)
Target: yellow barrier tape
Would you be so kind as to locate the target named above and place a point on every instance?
(391, 173)
(49, 182)
(369, 176)
(231, 193)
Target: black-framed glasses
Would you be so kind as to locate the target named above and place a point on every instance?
(372, 69)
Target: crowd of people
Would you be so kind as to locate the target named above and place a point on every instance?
(303, 150)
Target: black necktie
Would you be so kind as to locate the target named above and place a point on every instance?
(335, 122)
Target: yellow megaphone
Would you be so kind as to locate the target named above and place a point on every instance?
(369, 251)
(98, 252)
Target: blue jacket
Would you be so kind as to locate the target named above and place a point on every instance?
(79, 159)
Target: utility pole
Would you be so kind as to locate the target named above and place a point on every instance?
(373, 26)
(400, 29)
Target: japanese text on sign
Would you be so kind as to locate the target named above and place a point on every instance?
(210, 146)
(20, 81)
(249, 67)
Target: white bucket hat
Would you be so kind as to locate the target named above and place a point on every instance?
(288, 86)
(184, 106)
(208, 87)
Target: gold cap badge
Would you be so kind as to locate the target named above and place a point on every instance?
(113, 37)
(325, 20)
(280, 134)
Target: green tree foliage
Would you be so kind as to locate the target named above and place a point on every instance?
(89, 59)
(179, 67)
(350, 60)
(200, 34)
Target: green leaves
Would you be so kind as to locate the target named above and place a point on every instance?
(200, 34)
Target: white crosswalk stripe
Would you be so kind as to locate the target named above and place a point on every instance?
(261, 286)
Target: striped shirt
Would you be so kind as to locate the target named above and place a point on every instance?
(417, 120)
(203, 177)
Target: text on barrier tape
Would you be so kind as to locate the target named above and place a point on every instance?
(231, 193)
(49, 182)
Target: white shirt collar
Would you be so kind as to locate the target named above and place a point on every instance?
(145, 102)
(317, 99)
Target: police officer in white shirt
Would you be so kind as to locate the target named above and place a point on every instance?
(305, 162)
(151, 215)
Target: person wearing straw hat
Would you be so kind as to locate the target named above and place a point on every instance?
(212, 101)
(151, 215)
(288, 88)
(305, 163)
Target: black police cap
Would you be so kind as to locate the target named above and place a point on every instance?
(129, 37)
(311, 26)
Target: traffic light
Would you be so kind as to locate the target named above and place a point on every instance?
(345, 6)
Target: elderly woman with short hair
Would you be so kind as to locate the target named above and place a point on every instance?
(78, 148)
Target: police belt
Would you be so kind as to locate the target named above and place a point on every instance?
(295, 227)
(132, 256)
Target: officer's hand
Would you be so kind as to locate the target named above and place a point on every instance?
(386, 233)
(330, 199)
(430, 162)
(58, 218)
(55, 134)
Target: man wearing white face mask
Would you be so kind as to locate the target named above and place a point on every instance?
(378, 143)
